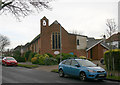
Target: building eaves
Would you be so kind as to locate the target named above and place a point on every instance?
(36, 38)
(91, 44)
(77, 35)
(105, 45)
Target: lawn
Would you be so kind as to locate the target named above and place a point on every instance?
(113, 77)
(27, 66)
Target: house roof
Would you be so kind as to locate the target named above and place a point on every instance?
(77, 35)
(36, 38)
(91, 42)
(114, 37)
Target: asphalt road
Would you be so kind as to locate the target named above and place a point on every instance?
(25, 75)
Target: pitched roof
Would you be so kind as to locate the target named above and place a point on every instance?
(77, 35)
(36, 38)
(91, 42)
(114, 37)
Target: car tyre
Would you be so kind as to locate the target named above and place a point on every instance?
(61, 73)
(5, 64)
(82, 76)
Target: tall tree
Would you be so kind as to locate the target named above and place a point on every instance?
(4, 41)
(112, 28)
(23, 7)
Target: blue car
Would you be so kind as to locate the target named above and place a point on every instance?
(84, 69)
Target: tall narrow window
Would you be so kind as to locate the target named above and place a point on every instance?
(59, 40)
(56, 39)
(77, 41)
(53, 44)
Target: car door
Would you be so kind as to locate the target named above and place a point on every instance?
(74, 70)
(66, 67)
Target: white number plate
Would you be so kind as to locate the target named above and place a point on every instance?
(101, 75)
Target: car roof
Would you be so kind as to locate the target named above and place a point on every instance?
(77, 59)
(8, 57)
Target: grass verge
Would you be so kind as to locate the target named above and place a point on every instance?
(113, 77)
(27, 66)
(54, 70)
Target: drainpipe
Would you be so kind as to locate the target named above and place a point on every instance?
(60, 44)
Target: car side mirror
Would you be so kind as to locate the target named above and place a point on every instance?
(77, 65)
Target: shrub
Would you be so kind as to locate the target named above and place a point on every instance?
(34, 60)
(20, 59)
(43, 60)
(89, 59)
(111, 55)
(50, 55)
(31, 55)
(27, 54)
(82, 57)
(16, 54)
(45, 56)
(65, 56)
(50, 61)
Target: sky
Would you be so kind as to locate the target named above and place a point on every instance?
(84, 16)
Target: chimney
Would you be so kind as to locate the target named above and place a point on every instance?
(104, 38)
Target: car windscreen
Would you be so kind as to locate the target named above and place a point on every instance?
(10, 59)
(86, 63)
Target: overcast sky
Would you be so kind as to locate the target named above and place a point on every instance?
(86, 16)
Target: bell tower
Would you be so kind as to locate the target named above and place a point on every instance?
(44, 24)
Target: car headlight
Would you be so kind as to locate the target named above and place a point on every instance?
(92, 71)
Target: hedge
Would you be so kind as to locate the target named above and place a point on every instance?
(111, 55)
(43, 60)
(31, 55)
(27, 54)
(65, 56)
(20, 59)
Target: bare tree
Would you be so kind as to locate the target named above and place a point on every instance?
(4, 41)
(112, 28)
(23, 7)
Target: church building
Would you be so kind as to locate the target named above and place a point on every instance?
(49, 40)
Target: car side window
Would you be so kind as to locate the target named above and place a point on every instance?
(73, 63)
(63, 62)
(4, 58)
(67, 62)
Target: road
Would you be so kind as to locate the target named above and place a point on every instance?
(25, 75)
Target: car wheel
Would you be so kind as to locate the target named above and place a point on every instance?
(82, 76)
(61, 73)
(5, 64)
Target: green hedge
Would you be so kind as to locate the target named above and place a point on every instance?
(27, 54)
(50, 61)
(50, 55)
(65, 56)
(20, 59)
(43, 60)
(31, 55)
(111, 55)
